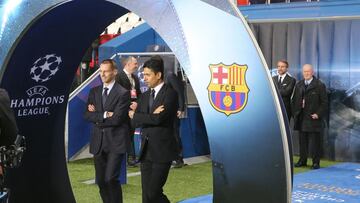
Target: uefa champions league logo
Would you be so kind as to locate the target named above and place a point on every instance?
(39, 101)
(45, 67)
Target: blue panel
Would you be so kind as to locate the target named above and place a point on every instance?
(135, 40)
(301, 10)
(193, 134)
(337, 183)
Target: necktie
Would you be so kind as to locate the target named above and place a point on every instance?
(104, 95)
(131, 79)
(151, 99)
(279, 81)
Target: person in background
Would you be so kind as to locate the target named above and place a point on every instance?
(285, 84)
(127, 78)
(309, 107)
(176, 83)
(107, 108)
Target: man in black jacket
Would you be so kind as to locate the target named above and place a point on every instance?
(155, 113)
(107, 109)
(177, 84)
(285, 84)
(309, 106)
(129, 81)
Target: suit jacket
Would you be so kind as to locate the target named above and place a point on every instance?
(175, 83)
(109, 134)
(124, 81)
(316, 101)
(158, 140)
(8, 127)
(286, 89)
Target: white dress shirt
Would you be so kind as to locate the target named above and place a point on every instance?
(158, 88)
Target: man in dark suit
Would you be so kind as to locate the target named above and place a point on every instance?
(175, 82)
(285, 84)
(309, 106)
(155, 113)
(129, 81)
(107, 109)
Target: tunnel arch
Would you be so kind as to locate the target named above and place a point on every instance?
(247, 159)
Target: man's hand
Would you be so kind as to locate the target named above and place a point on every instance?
(314, 116)
(91, 108)
(109, 114)
(180, 114)
(131, 114)
(159, 109)
(133, 106)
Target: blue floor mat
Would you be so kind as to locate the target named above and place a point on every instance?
(338, 183)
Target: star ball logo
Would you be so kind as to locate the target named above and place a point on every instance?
(38, 103)
(45, 67)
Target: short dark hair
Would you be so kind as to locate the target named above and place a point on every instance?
(156, 65)
(284, 61)
(111, 62)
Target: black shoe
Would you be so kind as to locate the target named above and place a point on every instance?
(178, 164)
(132, 163)
(299, 164)
(315, 166)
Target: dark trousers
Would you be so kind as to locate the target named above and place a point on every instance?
(178, 138)
(314, 139)
(107, 172)
(131, 148)
(153, 178)
(288, 114)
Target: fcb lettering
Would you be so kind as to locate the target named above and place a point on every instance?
(228, 91)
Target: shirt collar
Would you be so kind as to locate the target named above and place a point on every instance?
(110, 86)
(283, 75)
(158, 87)
(127, 73)
(309, 81)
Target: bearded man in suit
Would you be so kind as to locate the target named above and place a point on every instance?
(285, 84)
(107, 109)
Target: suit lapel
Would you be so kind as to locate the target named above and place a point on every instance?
(125, 78)
(286, 80)
(302, 86)
(145, 101)
(311, 85)
(98, 97)
(111, 95)
(275, 80)
(158, 98)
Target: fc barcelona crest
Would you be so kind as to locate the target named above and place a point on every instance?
(228, 91)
